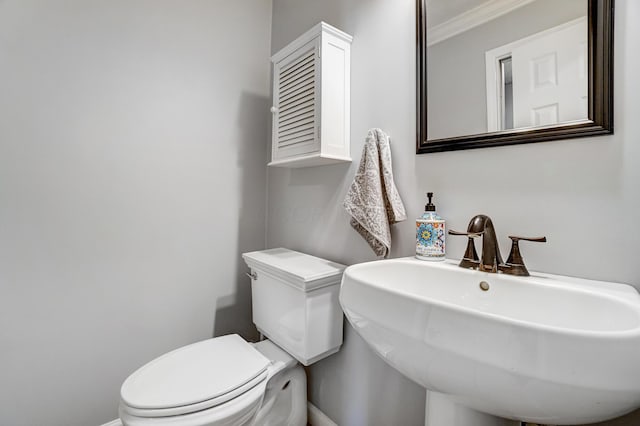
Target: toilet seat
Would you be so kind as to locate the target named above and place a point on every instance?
(238, 411)
(194, 378)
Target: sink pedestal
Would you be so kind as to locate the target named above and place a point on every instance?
(442, 411)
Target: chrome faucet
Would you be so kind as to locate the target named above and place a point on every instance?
(491, 259)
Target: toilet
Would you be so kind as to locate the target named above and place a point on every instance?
(227, 381)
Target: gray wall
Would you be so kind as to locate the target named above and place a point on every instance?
(353, 387)
(133, 139)
(456, 82)
(582, 194)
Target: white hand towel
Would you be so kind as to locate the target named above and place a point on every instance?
(373, 200)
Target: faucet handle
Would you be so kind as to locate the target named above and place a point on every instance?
(515, 262)
(534, 239)
(468, 234)
(470, 258)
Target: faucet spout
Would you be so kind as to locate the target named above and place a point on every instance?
(491, 259)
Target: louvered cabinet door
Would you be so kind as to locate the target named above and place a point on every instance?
(296, 103)
(311, 102)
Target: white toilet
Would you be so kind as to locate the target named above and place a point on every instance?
(228, 381)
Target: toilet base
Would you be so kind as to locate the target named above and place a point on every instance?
(285, 400)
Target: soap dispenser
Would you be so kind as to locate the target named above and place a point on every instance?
(430, 233)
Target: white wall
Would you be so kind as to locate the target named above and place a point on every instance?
(133, 139)
(582, 194)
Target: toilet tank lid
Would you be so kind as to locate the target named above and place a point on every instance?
(299, 269)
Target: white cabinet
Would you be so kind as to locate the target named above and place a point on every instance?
(311, 103)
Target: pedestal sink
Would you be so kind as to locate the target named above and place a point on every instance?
(545, 348)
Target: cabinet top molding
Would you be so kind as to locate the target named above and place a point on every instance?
(318, 29)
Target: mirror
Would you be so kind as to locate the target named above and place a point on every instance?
(504, 72)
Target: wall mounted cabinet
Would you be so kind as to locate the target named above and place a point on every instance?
(311, 103)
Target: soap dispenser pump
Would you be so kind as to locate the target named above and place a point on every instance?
(430, 233)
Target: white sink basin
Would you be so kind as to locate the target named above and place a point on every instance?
(545, 348)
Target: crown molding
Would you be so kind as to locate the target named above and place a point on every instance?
(479, 15)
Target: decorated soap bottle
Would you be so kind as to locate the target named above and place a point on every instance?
(430, 233)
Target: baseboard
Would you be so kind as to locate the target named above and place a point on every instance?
(315, 417)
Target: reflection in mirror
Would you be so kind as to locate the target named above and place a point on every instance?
(497, 72)
(540, 80)
(526, 68)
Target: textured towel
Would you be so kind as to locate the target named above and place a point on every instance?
(373, 200)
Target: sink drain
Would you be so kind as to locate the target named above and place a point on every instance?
(484, 286)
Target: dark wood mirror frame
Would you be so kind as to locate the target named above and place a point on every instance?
(600, 28)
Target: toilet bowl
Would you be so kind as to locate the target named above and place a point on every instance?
(227, 381)
(220, 381)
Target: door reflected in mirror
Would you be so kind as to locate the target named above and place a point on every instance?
(498, 72)
(540, 80)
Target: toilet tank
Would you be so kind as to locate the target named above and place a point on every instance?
(295, 302)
